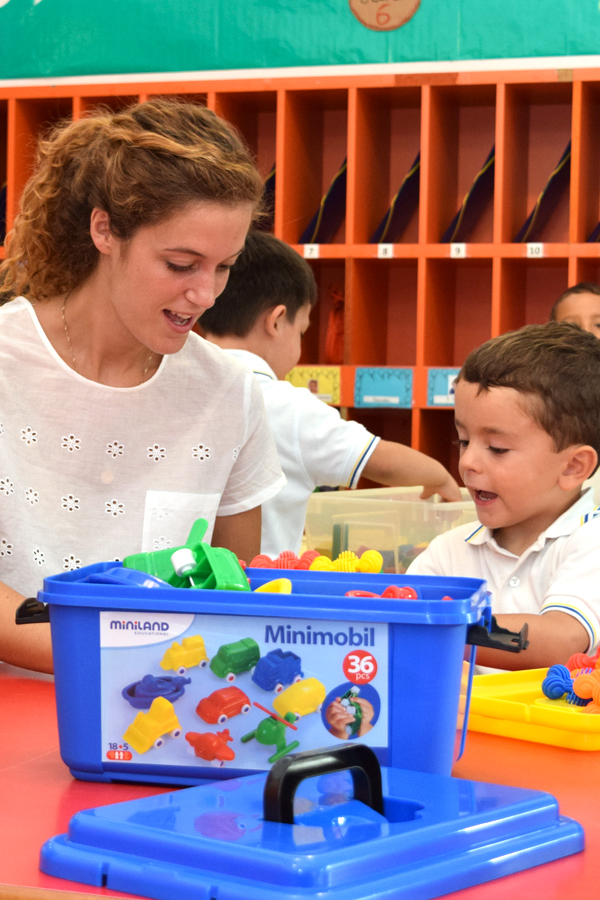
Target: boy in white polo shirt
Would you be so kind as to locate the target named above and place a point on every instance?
(260, 319)
(527, 413)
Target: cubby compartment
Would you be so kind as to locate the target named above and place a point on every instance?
(586, 269)
(315, 145)
(113, 102)
(528, 290)
(3, 181)
(33, 118)
(330, 276)
(381, 318)
(535, 132)
(459, 131)
(385, 139)
(585, 203)
(457, 309)
(254, 114)
(437, 437)
(389, 424)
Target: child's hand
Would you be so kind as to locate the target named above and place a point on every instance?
(448, 490)
(368, 714)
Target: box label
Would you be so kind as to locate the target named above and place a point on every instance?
(440, 387)
(322, 381)
(321, 670)
(383, 387)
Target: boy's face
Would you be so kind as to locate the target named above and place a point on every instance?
(581, 309)
(509, 465)
(285, 352)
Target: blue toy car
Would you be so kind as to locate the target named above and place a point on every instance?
(141, 693)
(276, 669)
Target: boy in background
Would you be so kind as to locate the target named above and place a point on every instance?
(527, 413)
(579, 305)
(260, 318)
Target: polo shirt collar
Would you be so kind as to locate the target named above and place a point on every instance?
(258, 365)
(577, 514)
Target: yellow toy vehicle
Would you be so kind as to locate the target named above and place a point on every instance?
(148, 729)
(302, 698)
(180, 657)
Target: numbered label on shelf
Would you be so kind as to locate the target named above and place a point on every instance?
(385, 251)
(311, 251)
(458, 251)
(535, 251)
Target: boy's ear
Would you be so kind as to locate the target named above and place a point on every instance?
(580, 463)
(274, 319)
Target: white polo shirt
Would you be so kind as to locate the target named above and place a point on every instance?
(315, 446)
(560, 571)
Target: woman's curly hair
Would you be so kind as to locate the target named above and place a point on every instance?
(139, 165)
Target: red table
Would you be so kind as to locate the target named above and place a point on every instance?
(38, 797)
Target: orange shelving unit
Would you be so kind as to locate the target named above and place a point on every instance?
(426, 304)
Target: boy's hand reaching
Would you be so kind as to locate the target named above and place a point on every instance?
(396, 464)
(448, 491)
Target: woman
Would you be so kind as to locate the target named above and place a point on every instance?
(119, 427)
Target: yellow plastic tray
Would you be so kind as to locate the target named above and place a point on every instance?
(512, 705)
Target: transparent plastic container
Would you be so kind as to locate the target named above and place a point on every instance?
(392, 520)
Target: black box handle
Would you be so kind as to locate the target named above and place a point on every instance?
(287, 773)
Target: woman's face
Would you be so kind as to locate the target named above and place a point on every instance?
(163, 279)
(581, 309)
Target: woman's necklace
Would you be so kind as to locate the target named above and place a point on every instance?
(71, 346)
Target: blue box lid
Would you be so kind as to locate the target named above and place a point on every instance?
(437, 834)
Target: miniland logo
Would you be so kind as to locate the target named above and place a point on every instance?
(138, 626)
(135, 629)
(351, 637)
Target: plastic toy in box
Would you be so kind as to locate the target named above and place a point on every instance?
(393, 521)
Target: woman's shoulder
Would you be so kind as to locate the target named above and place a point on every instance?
(15, 314)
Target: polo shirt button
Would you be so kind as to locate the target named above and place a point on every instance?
(514, 581)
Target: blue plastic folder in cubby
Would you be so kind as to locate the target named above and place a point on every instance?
(328, 825)
(377, 387)
(403, 658)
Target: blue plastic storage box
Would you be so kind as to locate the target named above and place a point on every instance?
(404, 657)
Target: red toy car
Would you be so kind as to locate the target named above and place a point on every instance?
(222, 705)
(212, 747)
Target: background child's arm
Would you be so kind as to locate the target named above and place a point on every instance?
(22, 645)
(240, 533)
(396, 464)
(553, 638)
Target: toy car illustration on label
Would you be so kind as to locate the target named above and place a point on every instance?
(148, 729)
(222, 705)
(232, 659)
(302, 698)
(211, 747)
(181, 657)
(276, 669)
(141, 693)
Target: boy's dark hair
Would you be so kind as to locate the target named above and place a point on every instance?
(267, 273)
(584, 287)
(557, 367)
